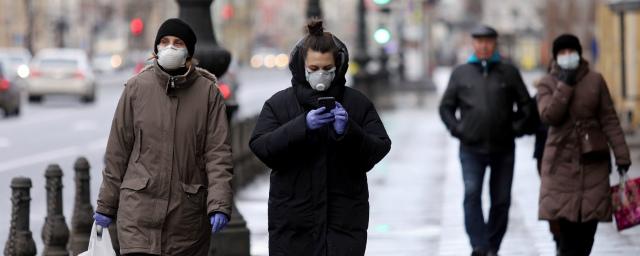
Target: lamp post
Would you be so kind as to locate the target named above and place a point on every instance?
(313, 9)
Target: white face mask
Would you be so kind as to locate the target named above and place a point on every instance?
(320, 80)
(171, 57)
(569, 61)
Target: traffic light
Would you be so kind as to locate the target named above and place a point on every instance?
(383, 5)
(381, 2)
(382, 35)
(136, 26)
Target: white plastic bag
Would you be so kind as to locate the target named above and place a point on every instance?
(99, 244)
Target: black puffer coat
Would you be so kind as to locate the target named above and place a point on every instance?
(319, 198)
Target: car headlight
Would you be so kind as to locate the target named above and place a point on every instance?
(23, 71)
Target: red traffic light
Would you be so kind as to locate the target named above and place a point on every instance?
(228, 12)
(136, 26)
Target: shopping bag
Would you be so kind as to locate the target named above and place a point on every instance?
(626, 202)
(99, 243)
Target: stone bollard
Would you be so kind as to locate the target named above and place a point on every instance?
(82, 220)
(55, 233)
(20, 242)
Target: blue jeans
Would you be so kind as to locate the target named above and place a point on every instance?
(486, 235)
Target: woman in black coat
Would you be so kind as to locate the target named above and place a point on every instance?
(319, 198)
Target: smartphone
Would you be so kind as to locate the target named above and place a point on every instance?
(327, 102)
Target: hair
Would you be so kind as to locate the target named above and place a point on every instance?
(318, 40)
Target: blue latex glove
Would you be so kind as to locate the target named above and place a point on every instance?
(102, 220)
(341, 118)
(218, 222)
(317, 119)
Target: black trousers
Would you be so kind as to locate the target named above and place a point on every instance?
(576, 239)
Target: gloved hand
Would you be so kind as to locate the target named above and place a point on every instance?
(218, 222)
(341, 118)
(623, 169)
(317, 119)
(102, 220)
(567, 76)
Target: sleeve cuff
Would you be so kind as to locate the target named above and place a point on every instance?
(298, 129)
(107, 211)
(222, 207)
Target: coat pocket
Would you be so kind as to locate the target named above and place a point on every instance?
(133, 211)
(135, 183)
(193, 213)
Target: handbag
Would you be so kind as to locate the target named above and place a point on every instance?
(99, 243)
(626, 202)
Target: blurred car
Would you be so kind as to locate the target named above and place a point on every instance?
(61, 72)
(16, 64)
(16, 61)
(228, 85)
(106, 62)
(9, 92)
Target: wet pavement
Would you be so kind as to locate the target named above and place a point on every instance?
(416, 192)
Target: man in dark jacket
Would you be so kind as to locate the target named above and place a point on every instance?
(484, 91)
(318, 198)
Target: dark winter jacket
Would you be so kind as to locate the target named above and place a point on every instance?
(576, 187)
(318, 199)
(485, 98)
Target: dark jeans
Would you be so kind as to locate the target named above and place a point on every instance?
(486, 235)
(576, 239)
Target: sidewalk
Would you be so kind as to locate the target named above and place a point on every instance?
(416, 195)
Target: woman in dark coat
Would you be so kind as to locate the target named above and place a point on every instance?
(318, 199)
(583, 128)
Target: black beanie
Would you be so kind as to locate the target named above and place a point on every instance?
(179, 29)
(566, 41)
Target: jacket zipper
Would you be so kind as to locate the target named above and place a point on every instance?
(172, 80)
(487, 101)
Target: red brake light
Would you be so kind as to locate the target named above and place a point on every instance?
(225, 90)
(4, 85)
(35, 73)
(78, 75)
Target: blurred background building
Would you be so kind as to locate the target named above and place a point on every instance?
(412, 36)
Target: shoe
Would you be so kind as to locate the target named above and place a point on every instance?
(492, 253)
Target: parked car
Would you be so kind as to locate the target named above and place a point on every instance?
(16, 64)
(106, 62)
(61, 72)
(9, 92)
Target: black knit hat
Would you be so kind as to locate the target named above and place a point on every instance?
(179, 29)
(566, 41)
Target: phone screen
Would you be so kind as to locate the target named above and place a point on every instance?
(328, 102)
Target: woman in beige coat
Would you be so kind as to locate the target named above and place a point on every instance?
(168, 165)
(575, 102)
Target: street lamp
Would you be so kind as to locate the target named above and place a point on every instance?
(210, 55)
(233, 240)
(313, 9)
